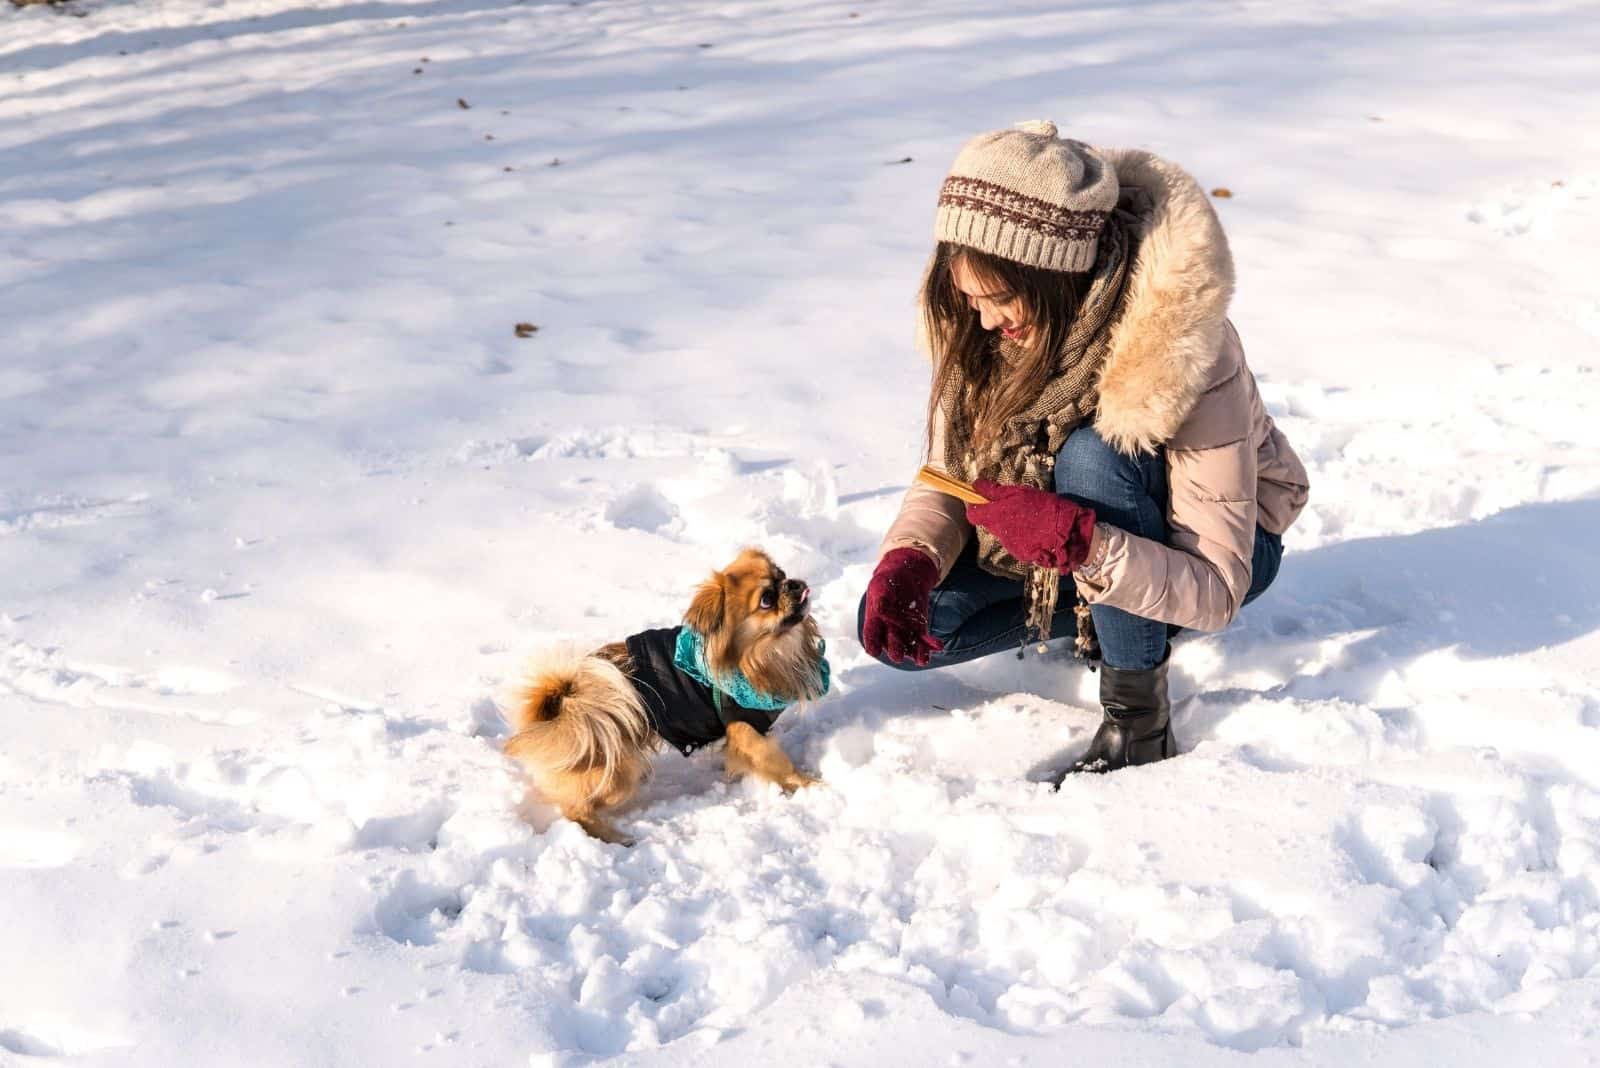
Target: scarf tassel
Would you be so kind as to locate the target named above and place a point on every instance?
(1041, 591)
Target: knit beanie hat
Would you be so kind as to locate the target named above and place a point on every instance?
(1026, 195)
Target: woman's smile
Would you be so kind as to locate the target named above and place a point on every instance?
(997, 309)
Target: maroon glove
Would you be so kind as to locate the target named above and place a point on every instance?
(1034, 525)
(896, 619)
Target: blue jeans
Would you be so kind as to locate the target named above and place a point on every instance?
(975, 613)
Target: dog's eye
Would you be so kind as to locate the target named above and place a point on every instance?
(768, 599)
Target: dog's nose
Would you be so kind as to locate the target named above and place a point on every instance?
(796, 588)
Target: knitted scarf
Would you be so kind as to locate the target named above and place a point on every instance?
(1024, 451)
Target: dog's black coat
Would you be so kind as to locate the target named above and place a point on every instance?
(681, 709)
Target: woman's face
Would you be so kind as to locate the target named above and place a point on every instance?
(997, 309)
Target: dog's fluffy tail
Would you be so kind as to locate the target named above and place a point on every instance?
(578, 713)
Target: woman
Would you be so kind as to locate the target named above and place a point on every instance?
(1087, 380)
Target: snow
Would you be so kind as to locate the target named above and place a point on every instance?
(288, 503)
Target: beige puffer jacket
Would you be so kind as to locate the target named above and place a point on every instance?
(1176, 377)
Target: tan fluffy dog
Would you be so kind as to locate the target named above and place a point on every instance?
(586, 725)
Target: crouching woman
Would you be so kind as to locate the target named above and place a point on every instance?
(1088, 382)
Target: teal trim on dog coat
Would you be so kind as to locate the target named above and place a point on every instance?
(689, 657)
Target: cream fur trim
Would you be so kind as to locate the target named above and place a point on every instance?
(1166, 343)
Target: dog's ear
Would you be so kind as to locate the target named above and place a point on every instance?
(710, 601)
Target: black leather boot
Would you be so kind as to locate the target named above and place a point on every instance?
(1137, 727)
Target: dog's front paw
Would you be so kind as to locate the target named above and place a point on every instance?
(605, 832)
(798, 780)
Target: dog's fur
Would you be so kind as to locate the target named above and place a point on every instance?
(582, 730)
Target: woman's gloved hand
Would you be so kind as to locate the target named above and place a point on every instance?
(896, 619)
(1034, 525)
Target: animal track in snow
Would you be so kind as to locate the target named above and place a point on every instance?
(681, 486)
(621, 443)
(643, 508)
(344, 784)
(46, 674)
(1531, 209)
(67, 512)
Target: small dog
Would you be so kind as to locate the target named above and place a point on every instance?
(587, 724)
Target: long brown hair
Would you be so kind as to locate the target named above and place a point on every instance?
(992, 390)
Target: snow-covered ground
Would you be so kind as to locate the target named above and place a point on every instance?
(285, 503)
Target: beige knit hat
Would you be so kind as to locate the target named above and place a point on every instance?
(1025, 194)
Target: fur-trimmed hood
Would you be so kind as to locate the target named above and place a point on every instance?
(1166, 343)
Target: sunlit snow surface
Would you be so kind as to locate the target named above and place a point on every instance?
(286, 502)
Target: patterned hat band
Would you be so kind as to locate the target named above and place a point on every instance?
(1049, 219)
(1014, 226)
